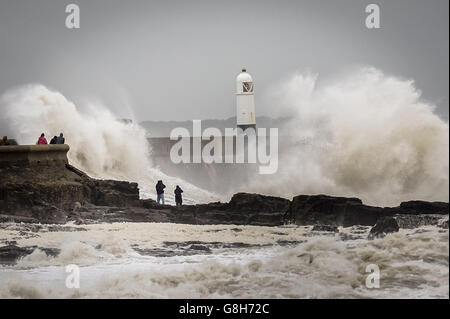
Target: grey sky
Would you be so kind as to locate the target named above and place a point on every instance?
(164, 60)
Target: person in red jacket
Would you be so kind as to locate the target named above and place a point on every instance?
(42, 140)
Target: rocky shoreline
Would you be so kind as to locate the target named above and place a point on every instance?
(57, 195)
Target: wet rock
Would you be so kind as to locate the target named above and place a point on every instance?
(343, 211)
(326, 228)
(290, 242)
(422, 207)
(256, 203)
(113, 193)
(444, 224)
(345, 237)
(58, 194)
(57, 228)
(17, 219)
(50, 193)
(328, 210)
(415, 221)
(211, 245)
(11, 253)
(309, 257)
(200, 247)
(25, 229)
(383, 227)
(150, 203)
(360, 229)
(27, 235)
(243, 209)
(161, 252)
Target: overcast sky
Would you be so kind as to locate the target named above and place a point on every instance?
(178, 60)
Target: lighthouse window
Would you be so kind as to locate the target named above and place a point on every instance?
(247, 86)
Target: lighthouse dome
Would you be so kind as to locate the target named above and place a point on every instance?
(244, 82)
(244, 77)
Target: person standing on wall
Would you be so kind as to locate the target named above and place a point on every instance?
(178, 196)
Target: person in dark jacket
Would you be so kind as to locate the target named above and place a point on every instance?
(160, 191)
(53, 140)
(60, 139)
(178, 197)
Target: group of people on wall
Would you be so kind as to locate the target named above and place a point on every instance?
(41, 140)
(61, 140)
(55, 140)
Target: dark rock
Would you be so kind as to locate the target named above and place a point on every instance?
(327, 228)
(244, 202)
(47, 213)
(338, 211)
(211, 245)
(384, 226)
(55, 194)
(290, 242)
(200, 247)
(11, 253)
(113, 193)
(49, 194)
(415, 221)
(422, 207)
(360, 229)
(309, 257)
(345, 237)
(243, 209)
(17, 219)
(150, 203)
(162, 252)
(214, 230)
(342, 211)
(444, 224)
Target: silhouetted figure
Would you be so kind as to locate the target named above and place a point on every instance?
(60, 139)
(53, 140)
(160, 191)
(42, 140)
(4, 141)
(178, 197)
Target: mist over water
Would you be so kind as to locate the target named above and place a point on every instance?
(365, 134)
(100, 144)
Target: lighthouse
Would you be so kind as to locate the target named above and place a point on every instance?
(245, 101)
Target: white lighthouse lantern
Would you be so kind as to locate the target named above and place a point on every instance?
(245, 101)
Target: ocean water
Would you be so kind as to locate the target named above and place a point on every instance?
(363, 145)
(152, 260)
